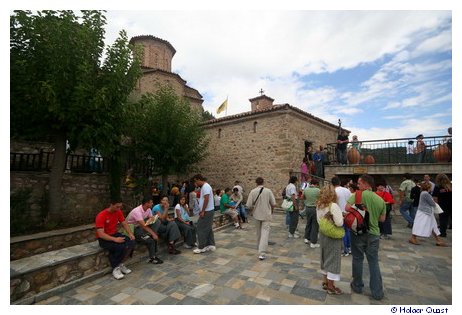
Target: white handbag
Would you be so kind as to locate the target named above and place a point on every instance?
(437, 209)
(287, 205)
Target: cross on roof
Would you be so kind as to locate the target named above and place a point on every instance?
(261, 92)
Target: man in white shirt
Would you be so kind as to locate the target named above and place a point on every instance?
(342, 197)
(205, 237)
(262, 202)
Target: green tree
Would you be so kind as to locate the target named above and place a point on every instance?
(61, 89)
(206, 115)
(165, 129)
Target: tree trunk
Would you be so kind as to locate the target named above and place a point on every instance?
(116, 175)
(56, 179)
(165, 185)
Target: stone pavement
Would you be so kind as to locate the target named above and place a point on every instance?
(290, 275)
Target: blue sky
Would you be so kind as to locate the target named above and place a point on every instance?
(385, 74)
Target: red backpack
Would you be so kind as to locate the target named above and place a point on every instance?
(357, 217)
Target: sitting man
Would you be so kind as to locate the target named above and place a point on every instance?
(237, 198)
(166, 225)
(228, 207)
(142, 229)
(118, 245)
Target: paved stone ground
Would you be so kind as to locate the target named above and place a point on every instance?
(233, 274)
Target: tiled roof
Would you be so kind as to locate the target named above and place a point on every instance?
(150, 70)
(134, 38)
(274, 108)
(260, 97)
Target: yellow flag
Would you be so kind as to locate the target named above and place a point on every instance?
(223, 106)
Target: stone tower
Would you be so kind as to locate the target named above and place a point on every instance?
(261, 102)
(156, 66)
(157, 53)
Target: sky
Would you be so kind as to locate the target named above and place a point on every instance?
(384, 73)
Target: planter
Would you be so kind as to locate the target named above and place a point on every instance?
(369, 159)
(353, 156)
(442, 154)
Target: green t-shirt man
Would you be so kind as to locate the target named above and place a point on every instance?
(311, 195)
(375, 206)
(223, 201)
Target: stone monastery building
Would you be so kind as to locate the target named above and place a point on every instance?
(270, 140)
(156, 65)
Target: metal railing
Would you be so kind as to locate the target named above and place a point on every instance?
(393, 151)
(42, 161)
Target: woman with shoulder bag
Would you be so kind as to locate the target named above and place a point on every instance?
(331, 248)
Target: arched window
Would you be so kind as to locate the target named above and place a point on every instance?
(219, 133)
(255, 126)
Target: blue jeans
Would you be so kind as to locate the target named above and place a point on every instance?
(421, 156)
(406, 206)
(287, 218)
(366, 244)
(346, 240)
(241, 211)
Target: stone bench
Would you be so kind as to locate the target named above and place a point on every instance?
(30, 245)
(38, 277)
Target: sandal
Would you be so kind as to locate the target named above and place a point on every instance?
(413, 242)
(334, 291)
(324, 286)
(442, 244)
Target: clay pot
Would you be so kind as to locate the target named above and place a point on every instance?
(442, 154)
(353, 156)
(369, 159)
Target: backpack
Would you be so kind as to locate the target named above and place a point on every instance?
(357, 217)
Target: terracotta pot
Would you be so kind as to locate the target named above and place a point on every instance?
(442, 154)
(353, 156)
(369, 159)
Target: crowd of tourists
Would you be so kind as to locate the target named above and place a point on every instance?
(326, 210)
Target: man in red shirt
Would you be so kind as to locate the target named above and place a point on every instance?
(118, 245)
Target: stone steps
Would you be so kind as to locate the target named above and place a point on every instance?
(38, 277)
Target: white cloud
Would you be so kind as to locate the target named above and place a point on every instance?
(235, 53)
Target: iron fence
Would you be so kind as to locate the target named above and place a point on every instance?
(397, 151)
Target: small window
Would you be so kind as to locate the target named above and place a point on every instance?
(255, 127)
(219, 133)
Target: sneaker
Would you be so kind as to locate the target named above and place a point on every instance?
(297, 233)
(117, 274)
(155, 260)
(210, 248)
(312, 245)
(187, 246)
(306, 241)
(345, 254)
(262, 256)
(236, 225)
(349, 250)
(293, 235)
(199, 250)
(124, 269)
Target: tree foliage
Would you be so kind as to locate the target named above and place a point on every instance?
(60, 87)
(166, 129)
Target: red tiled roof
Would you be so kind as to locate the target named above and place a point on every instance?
(261, 96)
(134, 38)
(274, 108)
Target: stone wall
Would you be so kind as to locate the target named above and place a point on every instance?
(270, 145)
(84, 195)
